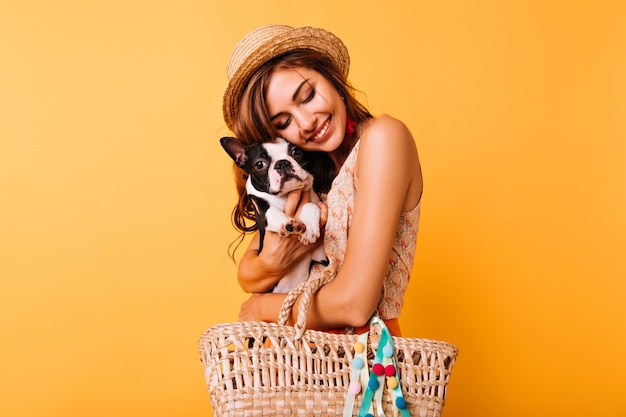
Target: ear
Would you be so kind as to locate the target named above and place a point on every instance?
(235, 150)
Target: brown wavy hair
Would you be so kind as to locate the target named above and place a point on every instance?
(253, 126)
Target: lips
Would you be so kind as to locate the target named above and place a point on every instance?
(322, 131)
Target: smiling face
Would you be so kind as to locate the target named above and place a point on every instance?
(306, 109)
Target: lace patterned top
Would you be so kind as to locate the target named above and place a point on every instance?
(340, 201)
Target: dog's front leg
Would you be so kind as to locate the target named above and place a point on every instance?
(279, 222)
(310, 216)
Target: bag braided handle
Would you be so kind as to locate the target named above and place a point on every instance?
(306, 289)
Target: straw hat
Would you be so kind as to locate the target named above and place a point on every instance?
(267, 42)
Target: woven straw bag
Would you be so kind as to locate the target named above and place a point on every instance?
(269, 369)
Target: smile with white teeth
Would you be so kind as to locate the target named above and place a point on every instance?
(323, 131)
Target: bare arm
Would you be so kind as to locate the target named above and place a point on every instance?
(259, 272)
(389, 183)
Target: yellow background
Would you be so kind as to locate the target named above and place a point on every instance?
(115, 196)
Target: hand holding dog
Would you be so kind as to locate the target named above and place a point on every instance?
(263, 270)
(259, 272)
(296, 200)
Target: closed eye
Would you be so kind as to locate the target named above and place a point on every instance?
(309, 97)
(283, 125)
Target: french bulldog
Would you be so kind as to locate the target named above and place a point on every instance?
(275, 169)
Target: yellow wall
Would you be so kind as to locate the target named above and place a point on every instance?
(115, 195)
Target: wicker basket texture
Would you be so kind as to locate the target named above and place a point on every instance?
(267, 369)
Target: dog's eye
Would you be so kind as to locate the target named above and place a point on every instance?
(260, 165)
(295, 151)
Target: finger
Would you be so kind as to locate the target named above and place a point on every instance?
(293, 200)
(244, 311)
(280, 251)
(305, 197)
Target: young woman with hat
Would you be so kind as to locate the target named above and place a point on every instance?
(292, 82)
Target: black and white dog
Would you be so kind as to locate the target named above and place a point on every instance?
(274, 169)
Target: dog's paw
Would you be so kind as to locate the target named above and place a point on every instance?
(292, 227)
(310, 235)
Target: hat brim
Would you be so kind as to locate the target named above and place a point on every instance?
(306, 37)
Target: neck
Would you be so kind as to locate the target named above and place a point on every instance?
(340, 155)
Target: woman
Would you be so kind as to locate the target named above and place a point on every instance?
(292, 83)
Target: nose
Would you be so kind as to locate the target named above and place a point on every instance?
(283, 166)
(307, 122)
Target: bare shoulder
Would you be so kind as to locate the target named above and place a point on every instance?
(388, 132)
(388, 154)
(385, 123)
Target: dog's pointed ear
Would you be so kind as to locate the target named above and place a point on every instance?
(234, 149)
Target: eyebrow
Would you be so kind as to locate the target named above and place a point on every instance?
(293, 98)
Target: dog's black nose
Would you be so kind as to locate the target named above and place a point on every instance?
(283, 165)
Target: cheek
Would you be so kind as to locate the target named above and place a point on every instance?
(330, 96)
(340, 116)
(291, 134)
